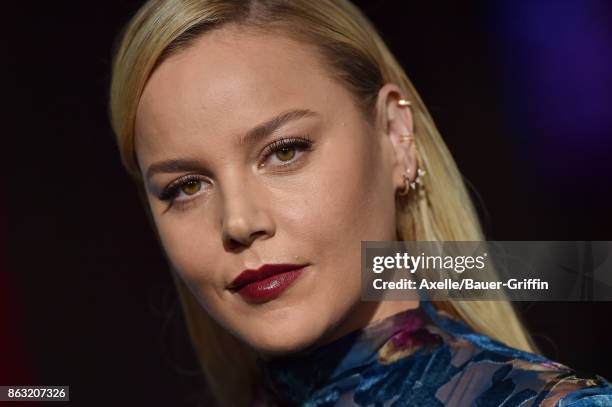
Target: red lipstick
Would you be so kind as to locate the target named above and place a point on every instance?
(267, 282)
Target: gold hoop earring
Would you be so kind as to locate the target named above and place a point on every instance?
(404, 138)
(406, 189)
(418, 181)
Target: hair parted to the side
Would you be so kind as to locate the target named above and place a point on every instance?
(358, 58)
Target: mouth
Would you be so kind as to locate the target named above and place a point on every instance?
(267, 282)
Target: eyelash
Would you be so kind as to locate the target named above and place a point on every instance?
(299, 143)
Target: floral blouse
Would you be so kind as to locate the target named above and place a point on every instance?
(423, 357)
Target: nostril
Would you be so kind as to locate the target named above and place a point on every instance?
(246, 241)
(233, 244)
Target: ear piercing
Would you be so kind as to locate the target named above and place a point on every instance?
(406, 137)
(419, 178)
(404, 102)
(411, 185)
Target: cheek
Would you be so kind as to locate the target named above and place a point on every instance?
(352, 198)
(194, 258)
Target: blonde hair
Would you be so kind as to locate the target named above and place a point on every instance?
(359, 59)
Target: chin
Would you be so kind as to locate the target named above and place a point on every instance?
(285, 332)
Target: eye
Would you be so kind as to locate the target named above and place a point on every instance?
(183, 189)
(190, 187)
(285, 152)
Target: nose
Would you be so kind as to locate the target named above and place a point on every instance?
(246, 214)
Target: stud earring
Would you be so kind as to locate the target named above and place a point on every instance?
(419, 179)
(404, 102)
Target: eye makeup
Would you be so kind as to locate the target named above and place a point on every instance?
(296, 146)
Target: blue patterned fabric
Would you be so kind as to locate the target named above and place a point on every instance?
(423, 357)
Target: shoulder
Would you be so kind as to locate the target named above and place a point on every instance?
(490, 373)
(485, 372)
(511, 377)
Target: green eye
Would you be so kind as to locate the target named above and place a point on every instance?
(285, 153)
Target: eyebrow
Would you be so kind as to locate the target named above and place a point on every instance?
(264, 129)
(252, 136)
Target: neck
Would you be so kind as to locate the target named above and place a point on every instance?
(361, 315)
(392, 330)
(365, 313)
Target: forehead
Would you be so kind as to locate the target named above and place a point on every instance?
(226, 82)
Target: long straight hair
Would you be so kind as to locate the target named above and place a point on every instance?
(357, 57)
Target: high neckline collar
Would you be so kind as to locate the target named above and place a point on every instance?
(293, 378)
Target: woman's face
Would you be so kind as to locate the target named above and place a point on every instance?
(252, 155)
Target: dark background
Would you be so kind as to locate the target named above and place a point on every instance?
(520, 90)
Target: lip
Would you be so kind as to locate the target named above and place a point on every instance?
(267, 282)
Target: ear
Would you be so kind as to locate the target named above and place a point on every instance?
(396, 121)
